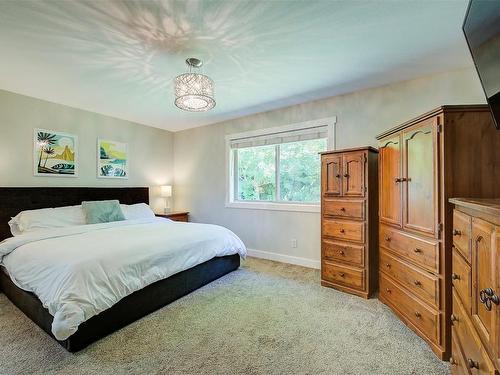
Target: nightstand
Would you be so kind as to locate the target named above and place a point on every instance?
(176, 215)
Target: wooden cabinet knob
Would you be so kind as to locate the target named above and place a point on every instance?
(397, 180)
(388, 290)
(342, 274)
(472, 364)
(342, 230)
(457, 232)
(417, 250)
(341, 252)
(342, 209)
(346, 175)
(388, 265)
(337, 175)
(387, 238)
(453, 318)
(418, 315)
(453, 362)
(454, 276)
(417, 283)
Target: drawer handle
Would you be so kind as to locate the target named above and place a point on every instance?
(472, 364)
(454, 276)
(417, 283)
(388, 265)
(487, 297)
(341, 252)
(418, 315)
(346, 175)
(398, 179)
(387, 238)
(388, 290)
(453, 362)
(342, 209)
(457, 232)
(342, 230)
(417, 250)
(342, 274)
(453, 318)
(337, 175)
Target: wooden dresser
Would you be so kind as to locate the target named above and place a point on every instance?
(450, 151)
(476, 286)
(349, 231)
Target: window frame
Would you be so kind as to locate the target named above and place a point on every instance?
(231, 176)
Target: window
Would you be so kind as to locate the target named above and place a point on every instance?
(277, 169)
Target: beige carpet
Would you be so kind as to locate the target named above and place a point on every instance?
(265, 318)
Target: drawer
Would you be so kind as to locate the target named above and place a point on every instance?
(344, 252)
(426, 320)
(423, 252)
(461, 278)
(344, 230)
(457, 361)
(348, 276)
(461, 233)
(422, 283)
(475, 354)
(354, 209)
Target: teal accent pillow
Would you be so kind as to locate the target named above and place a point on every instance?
(102, 211)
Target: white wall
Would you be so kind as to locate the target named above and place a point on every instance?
(199, 156)
(150, 149)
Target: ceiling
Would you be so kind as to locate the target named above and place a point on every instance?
(119, 57)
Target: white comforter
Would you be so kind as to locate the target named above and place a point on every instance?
(78, 272)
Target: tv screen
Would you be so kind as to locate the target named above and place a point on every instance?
(482, 32)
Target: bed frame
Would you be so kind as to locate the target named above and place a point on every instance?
(129, 309)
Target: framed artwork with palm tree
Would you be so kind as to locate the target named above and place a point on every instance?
(55, 153)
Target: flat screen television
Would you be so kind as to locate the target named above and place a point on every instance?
(482, 32)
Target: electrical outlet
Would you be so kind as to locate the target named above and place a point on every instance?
(294, 242)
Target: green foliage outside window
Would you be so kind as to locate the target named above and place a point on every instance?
(299, 172)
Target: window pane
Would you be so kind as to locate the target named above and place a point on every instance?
(300, 168)
(257, 173)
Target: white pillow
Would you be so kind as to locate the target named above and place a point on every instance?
(137, 211)
(30, 220)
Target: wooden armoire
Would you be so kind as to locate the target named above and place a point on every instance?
(349, 224)
(452, 151)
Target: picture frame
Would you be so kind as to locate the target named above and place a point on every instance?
(55, 153)
(112, 159)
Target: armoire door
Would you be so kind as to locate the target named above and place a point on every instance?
(485, 293)
(353, 178)
(331, 175)
(420, 177)
(390, 180)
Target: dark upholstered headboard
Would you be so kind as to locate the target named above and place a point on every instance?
(16, 199)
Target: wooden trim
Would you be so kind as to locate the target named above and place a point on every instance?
(364, 148)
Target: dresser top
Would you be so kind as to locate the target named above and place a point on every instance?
(369, 148)
(488, 206)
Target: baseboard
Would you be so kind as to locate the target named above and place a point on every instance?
(305, 262)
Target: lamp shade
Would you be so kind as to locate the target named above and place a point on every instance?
(166, 191)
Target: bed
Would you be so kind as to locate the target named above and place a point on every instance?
(156, 293)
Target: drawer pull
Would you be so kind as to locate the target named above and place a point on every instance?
(398, 179)
(417, 250)
(341, 252)
(453, 362)
(342, 230)
(346, 175)
(454, 276)
(417, 283)
(387, 238)
(342, 209)
(342, 274)
(472, 364)
(457, 232)
(388, 265)
(487, 297)
(453, 318)
(337, 175)
(418, 315)
(388, 290)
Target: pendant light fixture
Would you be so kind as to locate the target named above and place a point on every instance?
(194, 92)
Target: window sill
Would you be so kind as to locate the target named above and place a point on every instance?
(273, 206)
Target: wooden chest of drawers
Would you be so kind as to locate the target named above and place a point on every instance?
(476, 287)
(349, 233)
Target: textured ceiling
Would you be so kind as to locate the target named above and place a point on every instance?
(119, 57)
